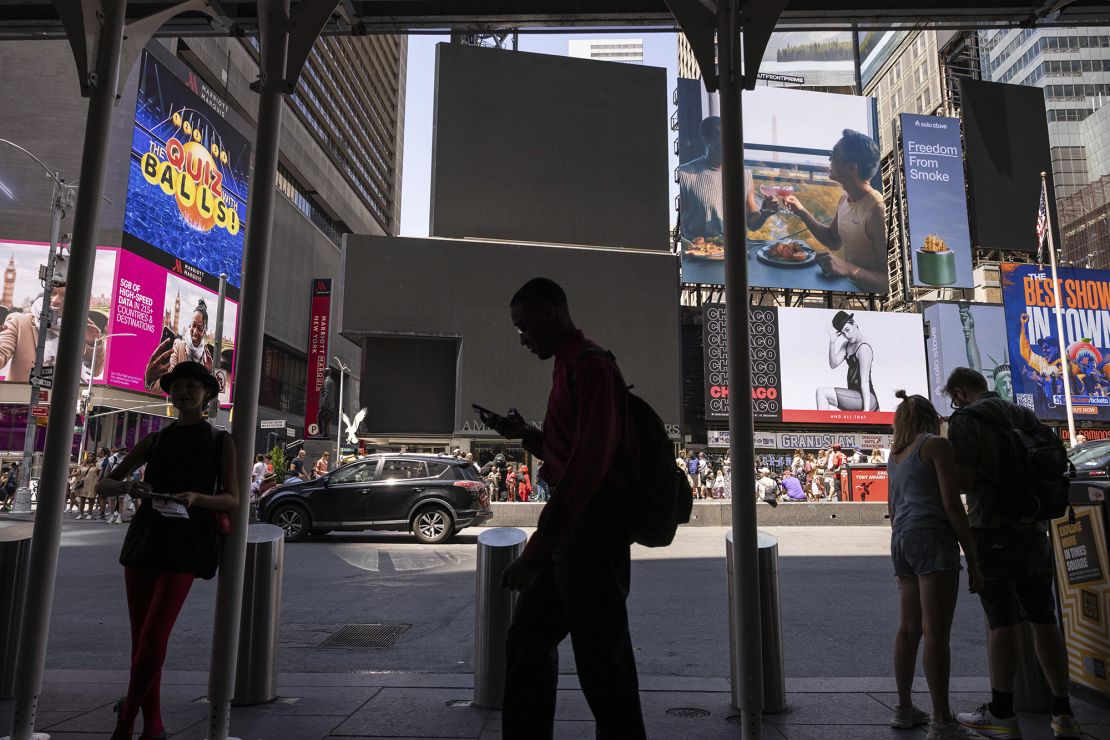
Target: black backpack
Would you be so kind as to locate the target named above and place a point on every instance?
(659, 489)
(1035, 479)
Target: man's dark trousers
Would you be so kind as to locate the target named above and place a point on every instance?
(582, 593)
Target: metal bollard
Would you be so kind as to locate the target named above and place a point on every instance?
(15, 555)
(256, 672)
(1031, 690)
(774, 675)
(493, 612)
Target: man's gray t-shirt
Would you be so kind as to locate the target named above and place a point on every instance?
(982, 449)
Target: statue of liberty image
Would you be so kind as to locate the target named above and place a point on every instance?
(997, 373)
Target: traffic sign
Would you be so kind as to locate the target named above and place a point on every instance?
(40, 411)
(46, 371)
(42, 382)
(272, 423)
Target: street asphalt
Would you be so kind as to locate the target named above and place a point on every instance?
(839, 605)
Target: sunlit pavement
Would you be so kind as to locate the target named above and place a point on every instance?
(839, 607)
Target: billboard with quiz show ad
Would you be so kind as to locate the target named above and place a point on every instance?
(1034, 341)
(188, 175)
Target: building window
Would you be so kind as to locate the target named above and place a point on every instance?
(284, 374)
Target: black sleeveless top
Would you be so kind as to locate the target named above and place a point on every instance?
(855, 382)
(181, 458)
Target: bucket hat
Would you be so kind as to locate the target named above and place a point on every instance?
(191, 371)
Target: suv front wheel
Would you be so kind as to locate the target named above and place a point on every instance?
(294, 520)
(432, 525)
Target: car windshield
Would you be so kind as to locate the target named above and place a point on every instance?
(1088, 456)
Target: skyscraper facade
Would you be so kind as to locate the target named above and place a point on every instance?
(608, 50)
(1072, 66)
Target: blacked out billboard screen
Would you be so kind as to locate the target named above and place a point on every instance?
(1007, 149)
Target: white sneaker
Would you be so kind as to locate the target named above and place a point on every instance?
(1064, 725)
(87, 516)
(117, 519)
(951, 731)
(78, 516)
(987, 725)
(906, 718)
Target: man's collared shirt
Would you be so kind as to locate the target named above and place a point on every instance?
(582, 432)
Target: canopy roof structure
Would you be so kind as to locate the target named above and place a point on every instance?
(39, 18)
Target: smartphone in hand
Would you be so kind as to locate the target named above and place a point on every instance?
(489, 418)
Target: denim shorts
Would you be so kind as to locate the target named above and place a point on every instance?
(1017, 576)
(923, 550)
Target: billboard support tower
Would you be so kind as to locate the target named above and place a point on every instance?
(61, 200)
(1065, 368)
(217, 361)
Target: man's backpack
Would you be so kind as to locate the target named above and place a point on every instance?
(1034, 481)
(660, 491)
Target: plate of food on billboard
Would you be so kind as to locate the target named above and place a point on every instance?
(813, 206)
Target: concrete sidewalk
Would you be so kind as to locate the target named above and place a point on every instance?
(77, 705)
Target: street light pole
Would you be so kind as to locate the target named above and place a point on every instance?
(61, 200)
(88, 398)
(339, 411)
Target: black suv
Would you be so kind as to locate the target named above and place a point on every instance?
(434, 496)
(1091, 460)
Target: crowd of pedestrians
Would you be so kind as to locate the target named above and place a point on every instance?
(813, 476)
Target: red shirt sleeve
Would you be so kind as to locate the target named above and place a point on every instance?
(600, 404)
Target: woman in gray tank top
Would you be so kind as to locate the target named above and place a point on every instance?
(928, 528)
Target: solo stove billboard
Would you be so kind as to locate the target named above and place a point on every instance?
(940, 241)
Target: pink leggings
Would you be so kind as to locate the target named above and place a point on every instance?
(153, 600)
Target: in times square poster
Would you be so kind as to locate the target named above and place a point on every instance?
(1034, 341)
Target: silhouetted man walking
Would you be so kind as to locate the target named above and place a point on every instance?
(574, 573)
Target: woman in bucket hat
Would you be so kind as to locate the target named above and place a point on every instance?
(175, 537)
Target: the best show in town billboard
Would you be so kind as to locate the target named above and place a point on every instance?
(1034, 347)
(817, 365)
(939, 237)
(813, 222)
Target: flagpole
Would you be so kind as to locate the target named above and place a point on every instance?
(1065, 365)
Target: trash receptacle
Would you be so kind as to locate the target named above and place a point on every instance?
(493, 607)
(15, 554)
(256, 671)
(770, 620)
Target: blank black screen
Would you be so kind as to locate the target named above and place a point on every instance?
(1007, 148)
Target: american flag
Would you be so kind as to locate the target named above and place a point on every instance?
(1042, 224)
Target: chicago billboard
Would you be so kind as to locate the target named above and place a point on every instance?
(939, 238)
(1034, 346)
(765, 362)
(188, 174)
(813, 204)
(820, 365)
(966, 335)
